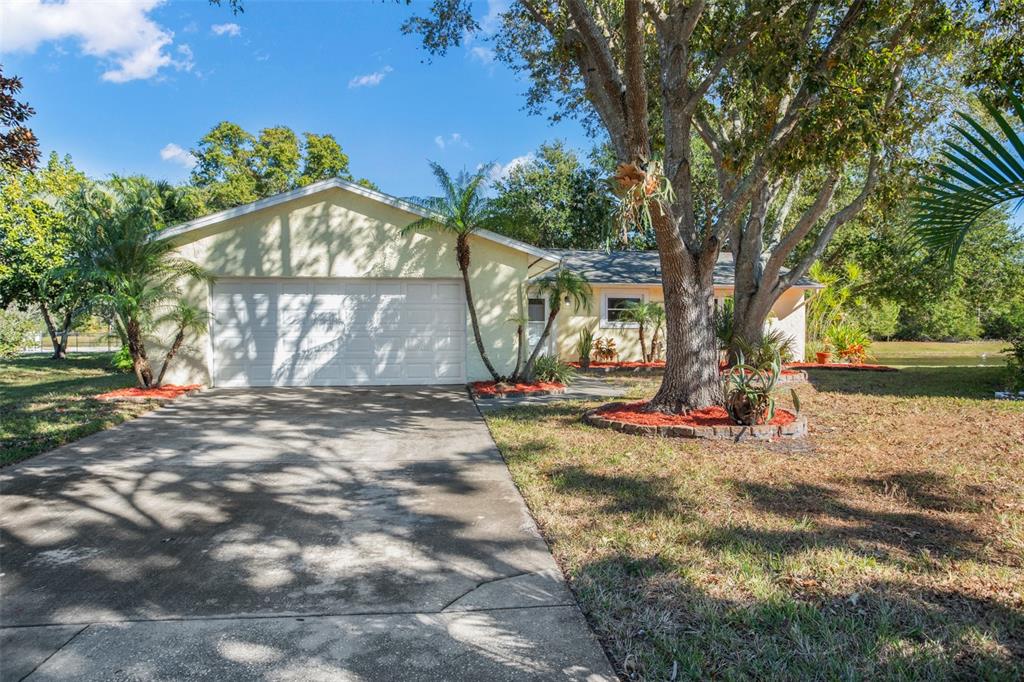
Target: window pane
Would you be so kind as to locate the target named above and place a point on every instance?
(617, 305)
(535, 310)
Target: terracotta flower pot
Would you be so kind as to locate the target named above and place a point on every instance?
(824, 358)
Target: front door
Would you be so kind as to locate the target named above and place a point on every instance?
(537, 316)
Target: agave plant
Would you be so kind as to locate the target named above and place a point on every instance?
(750, 391)
(981, 172)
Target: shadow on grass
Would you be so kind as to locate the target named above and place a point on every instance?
(979, 383)
(621, 493)
(928, 490)
(659, 621)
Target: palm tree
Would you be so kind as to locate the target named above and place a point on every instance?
(118, 222)
(647, 315)
(566, 286)
(658, 323)
(461, 210)
(980, 175)
(186, 319)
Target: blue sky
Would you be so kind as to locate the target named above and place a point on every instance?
(130, 86)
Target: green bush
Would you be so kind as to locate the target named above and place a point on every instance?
(723, 323)
(1015, 362)
(17, 330)
(121, 360)
(1005, 323)
(774, 344)
(549, 368)
(950, 319)
(881, 319)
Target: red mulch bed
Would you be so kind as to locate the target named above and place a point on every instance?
(622, 365)
(863, 367)
(491, 388)
(633, 413)
(165, 392)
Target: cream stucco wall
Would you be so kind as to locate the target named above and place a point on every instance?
(338, 233)
(788, 316)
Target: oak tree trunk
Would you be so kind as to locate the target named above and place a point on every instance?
(462, 253)
(59, 342)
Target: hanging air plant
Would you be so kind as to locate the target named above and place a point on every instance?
(638, 190)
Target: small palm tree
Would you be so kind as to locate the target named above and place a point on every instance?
(980, 175)
(118, 223)
(461, 210)
(566, 286)
(657, 323)
(186, 319)
(640, 313)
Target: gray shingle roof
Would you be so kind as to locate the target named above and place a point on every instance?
(639, 267)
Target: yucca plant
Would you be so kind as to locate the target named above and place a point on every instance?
(981, 172)
(584, 346)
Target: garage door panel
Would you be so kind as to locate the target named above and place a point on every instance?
(336, 332)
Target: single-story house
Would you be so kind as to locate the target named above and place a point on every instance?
(321, 286)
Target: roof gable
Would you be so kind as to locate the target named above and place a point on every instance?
(208, 221)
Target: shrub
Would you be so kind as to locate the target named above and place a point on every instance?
(17, 330)
(850, 342)
(121, 360)
(605, 350)
(774, 343)
(723, 323)
(551, 369)
(584, 345)
(1015, 362)
(749, 391)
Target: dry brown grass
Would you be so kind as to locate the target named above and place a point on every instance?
(889, 545)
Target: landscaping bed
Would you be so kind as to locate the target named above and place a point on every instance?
(711, 422)
(491, 389)
(610, 367)
(163, 393)
(844, 366)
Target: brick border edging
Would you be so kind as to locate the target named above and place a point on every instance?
(144, 399)
(797, 429)
(515, 394)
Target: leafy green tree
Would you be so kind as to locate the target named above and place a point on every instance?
(138, 274)
(554, 201)
(322, 159)
(563, 286)
(235, 167)
(19, 148)
(17, 329)
(38, 253)
(774, 92)
(460, 210)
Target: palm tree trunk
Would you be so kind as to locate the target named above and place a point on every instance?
(171, 352)
(654, 344)
(462, 252)
(137, 349)
(528, 372)
(643, 345)
(520, 344)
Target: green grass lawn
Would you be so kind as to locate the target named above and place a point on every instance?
(889, 545)
(937, 353)
(45, 403)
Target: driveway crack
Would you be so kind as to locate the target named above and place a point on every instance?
(476, 587)
(55, 652)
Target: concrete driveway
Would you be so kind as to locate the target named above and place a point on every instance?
(285, 534)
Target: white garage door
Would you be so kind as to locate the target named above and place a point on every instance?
(334, 332)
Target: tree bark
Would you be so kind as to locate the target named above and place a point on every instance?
(643, 343)
(137, 349)
(179, 338)
(59, 349)
(462, 253)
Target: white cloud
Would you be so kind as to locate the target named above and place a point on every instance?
(370, 80)
(452, 139)
(491, 21)
(500, 171)
(485, 55)
(230, 30)
(120, 33)
(176, 154)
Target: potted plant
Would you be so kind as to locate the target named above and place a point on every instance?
(583, 347)
(824, 354)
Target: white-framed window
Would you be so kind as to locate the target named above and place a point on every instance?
(537, 309)
(615, 303)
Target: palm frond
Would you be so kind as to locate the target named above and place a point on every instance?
(981, 172)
